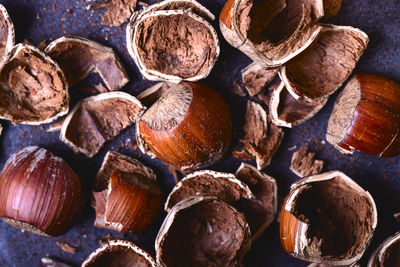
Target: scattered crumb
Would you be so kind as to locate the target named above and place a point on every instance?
(292, 148)
(54, 263)
(303, 163)
(66, 247)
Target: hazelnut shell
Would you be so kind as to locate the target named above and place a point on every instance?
(387, 254)
(255, 78)
(7, 31)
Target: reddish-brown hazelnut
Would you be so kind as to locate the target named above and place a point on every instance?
(39, 192)
(327, 218)
(387, 254)
(366, 117)
(189, 126)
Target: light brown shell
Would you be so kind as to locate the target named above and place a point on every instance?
(10, 36)
(255, 78)
(378, 256)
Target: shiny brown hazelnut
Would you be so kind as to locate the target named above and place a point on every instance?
(202, 231)
(119, 253)
(327, 218)
(366, 117)
(39, 192)
(173, 45)
(189, 126)
(271, 32)
(387, 254)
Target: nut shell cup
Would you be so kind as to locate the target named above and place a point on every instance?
(387, 254)
(8, 33)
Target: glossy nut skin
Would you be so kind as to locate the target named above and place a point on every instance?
(288, 229)
(202, 136)
(375, 129)
(39, 192)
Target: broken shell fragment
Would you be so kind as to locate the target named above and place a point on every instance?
(39, 192)
(327, 218)
(129, 204)
(224, 186)
(286, 111)
(78, 57)
(188, 127)
(260, 211)
(271, 32)
(187, 53)
(331, 8)
(192, 232)
(261, 138)
(303, 163)
(98, 119)
(32, 87)
(7, 36)
(118, 12)
(366, 117)
(119, 253)
(255, 78)
(321, 69)
(387, 254)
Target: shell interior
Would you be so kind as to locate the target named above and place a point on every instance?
(255, 78)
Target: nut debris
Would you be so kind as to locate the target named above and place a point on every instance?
(54, 263)
(66, 247)
(255, 78)
(303, 163)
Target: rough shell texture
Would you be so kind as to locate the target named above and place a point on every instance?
(78, 57)
(192, 232)
(98, 119)
(255, 78)
(303, 163)
(119, 253)
(366, 117)
(286, 111)
(387, 254)
(320, 70)
(327, 218)
(118, 12)
(331, 8)
(255, 28)
(188, 52)
(261, 138)
(187, 127)
(39, 192)
(7, 36)
(260, 211)
(224, 186)
(33, 88)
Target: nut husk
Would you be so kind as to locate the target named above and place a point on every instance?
(327, 218)
(32, 87)
(303, 163)
(271, 32)
(224, 186)
(97, 119)
(119, 253)
(366, 117)
(387, 254)
(39, 192)
(321, 69)
(78, 57)
(255, 78)
(7, 36)
(188, 127)
(192, 232)
(187, 54)
(286, 111)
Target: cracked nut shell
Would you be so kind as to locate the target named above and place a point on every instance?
(7, 34)
(387, 254)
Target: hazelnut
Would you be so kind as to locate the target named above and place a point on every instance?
(255, 78)
(98, 119)
(321, 69)
(39, 192)
(271, 32)
(366, 117)
(202, 231)
(7, 36)
(172, 45)
(131, 199)
(78, 57)
(327, 218)
(287, 111)
(188, 127)
(32, 87)
(387, 254)
(119, 253)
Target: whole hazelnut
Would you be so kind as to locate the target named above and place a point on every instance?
(39, 192)
(188, 127)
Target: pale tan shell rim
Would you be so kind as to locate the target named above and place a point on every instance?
(274, 105)
(216, 175)
(65, 109)
(10, 37)
(122, 243)
(149, 74)
(325, 28)
(270, 62)
(99, 97)
(381, 249)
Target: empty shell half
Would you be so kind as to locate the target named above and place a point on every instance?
(7, 36)
(387, 254)
(98, 119)
(271, 32)
(327, 218)
(119, 253)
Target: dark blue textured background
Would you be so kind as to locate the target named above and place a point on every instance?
(49, 19)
